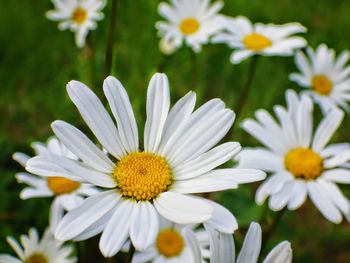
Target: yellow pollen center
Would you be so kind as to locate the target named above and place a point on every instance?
(79, 15)
(60, 185)
(189, 26)
(36, 258)
(304, 163)
(256, 42)
(169, 243)
(322, 85)
(142, 176)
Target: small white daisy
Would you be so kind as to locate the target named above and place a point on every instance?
(189, 21)
(79, 16)
(326, 77)
(175, 161)
(300, 162)
(46, 250)
(223, 250)
(263, 39)
(186, 243)
(67, 194)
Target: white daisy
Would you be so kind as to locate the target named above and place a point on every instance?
(263, 39)
(176, 160)
(223, 250)
(47, 250)
(300, 162)
(186, 243)
(79, 16)
(67, 194)
(327, 78)
(189, 21)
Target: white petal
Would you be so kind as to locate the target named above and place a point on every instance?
(335, 195)
(193, 244)
(80, 169)
(298, 195)
(222, 219)
(144, 217)
(16, 247)
(117, 229)
(96, 117)
(323, 203)
(119, 102)
(8, 259)
(21, 158)
(239, 55)
(338, 159)
(183, 209)
(158, 102)
(326, 129)
(56, 214)
(79, 219)
(337, 175)
(251, 245)
(282, 253)
(79, 144)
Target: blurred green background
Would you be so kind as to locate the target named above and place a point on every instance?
(37, 60)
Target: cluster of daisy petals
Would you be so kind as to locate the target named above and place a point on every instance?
(145, 196)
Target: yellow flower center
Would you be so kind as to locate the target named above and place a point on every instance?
(189, 26)
(36, 258)
(169, 243)
(60, 185)
(322, 85)
(79, 15)
(256, 42)
(142, 176)
(304, 163)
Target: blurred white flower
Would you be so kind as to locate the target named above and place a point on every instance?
(167, 47)
(301, 163)
(79, 16)
(176, 161)
(189, 21)
(186, 243)
(46, 250)
(222, 248)
(263, 39)
(326, 77)
(67, 194)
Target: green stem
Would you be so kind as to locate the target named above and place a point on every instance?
(194, 69)
(110, 38)
(271, 228)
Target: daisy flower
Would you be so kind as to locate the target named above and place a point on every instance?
(186, 243)
(263, 39)
(222, 248)
(189, 21)
(67, 193)
(46, 250)
(175, 161)
(79, 16)
(326, 78)
(300, 162)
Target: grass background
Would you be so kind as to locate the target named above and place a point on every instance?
(37, 60)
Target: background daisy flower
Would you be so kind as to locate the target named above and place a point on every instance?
(176, 161)
(223, 248)
(33, 250)
(326, 77)
(79, 16)
(300, 162)
(263, 39)
(189, 21)
(67, 193)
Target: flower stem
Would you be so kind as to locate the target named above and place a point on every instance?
(110, 38)
(131, 253)
(194, 69)
(272, 227)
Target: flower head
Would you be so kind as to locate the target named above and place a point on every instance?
(263, 39)
(67, 193)
(300, 162)
(222, 248)
(326, 77)
(189, 21)
(177, 159)
(79, 16)
(46, 250)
